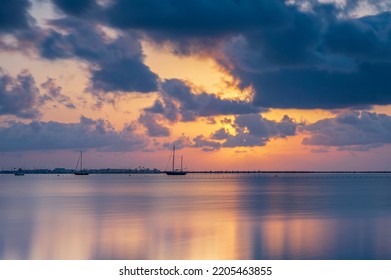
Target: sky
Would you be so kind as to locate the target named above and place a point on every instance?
(233, 84)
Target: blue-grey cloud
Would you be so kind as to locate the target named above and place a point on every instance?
(115, 64)
(256, 125)
(55, 46)
(316, 63)
(293, 58)
(315, 88)
(351, 130)
(195, 18)
(19, 96)
(179, 143)
(53, 93)
(180, 103)
(220, 134)
(251, 130)
(130, 75)
(365, 38)
(254, 130)
(75, 7)
(207, 145)
(195, 26)
(86, 134)
(14, 15)
(319, 57)
(154, 128)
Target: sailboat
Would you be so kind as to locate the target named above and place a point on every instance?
(19, 172)
(176, 171)
(80, 171)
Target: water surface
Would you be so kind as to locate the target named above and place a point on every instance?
(259, 216)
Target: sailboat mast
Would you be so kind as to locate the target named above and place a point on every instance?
(173, 158)
(77, 170)
(175, 171)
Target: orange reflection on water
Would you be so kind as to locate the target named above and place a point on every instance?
(214, 233)
(60, 235)
(196, 235)
(204, 230)
(296, 237)
(187, 219)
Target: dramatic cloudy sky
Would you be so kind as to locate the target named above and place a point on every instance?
(234, 84)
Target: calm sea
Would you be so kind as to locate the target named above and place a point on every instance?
(291, 216)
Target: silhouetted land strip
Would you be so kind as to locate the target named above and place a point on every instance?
(91, 171)
(277, 172)
(157, 171)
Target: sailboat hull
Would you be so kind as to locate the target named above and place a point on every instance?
(81, 173)
(176, 172)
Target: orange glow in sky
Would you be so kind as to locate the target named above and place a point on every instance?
(228, 96)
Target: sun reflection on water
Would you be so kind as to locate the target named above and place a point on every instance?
(193, 218)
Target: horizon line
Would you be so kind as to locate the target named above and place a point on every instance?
(158, 171)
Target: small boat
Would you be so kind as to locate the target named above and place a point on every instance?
(176, 171)
(19, 172)
(80, 171)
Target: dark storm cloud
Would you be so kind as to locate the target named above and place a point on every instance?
(365, 39)
(293, 58)
(313, 64)
(180, 103)
(195, 26)
(318, 57)
(314, 88)
(87, 134)
(195, 18)
(14, 15)
(289, 45)
(115, 64)
(352, 130)
(124, 75)
(75, 7)
(55, 46)
(19, 96)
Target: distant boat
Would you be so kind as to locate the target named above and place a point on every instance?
(176, 171)
(80, 171)
(19, 172)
